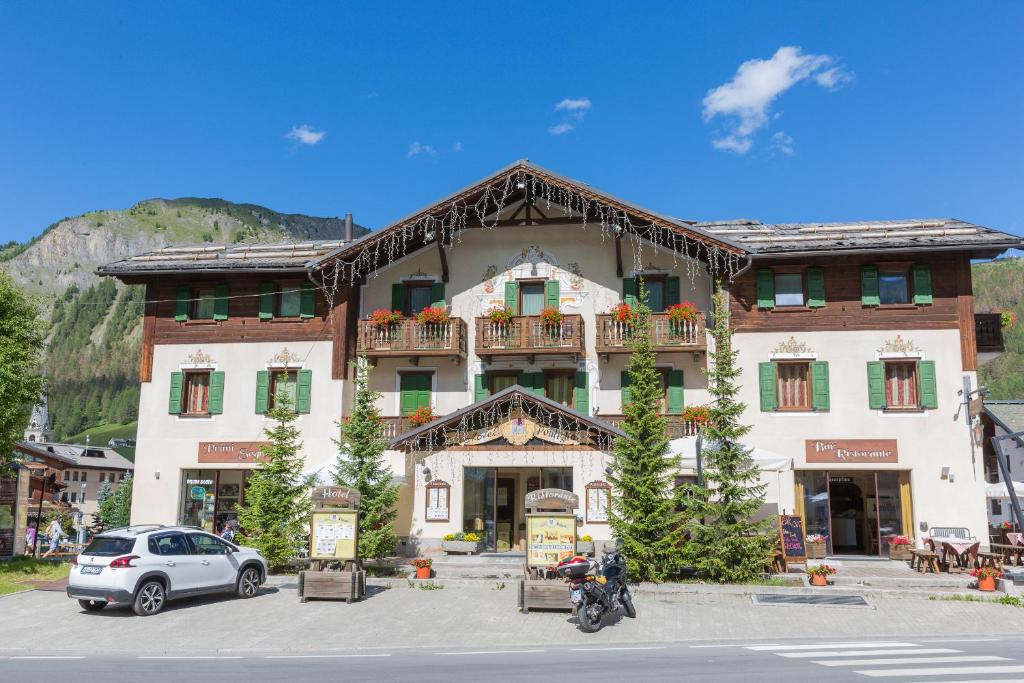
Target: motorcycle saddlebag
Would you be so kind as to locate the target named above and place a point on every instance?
(573, 568)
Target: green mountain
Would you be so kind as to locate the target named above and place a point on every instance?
(92, 357)
(999, 285)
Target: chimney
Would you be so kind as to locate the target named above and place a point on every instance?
(348, 227)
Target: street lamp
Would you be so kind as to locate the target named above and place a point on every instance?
(1004, 468)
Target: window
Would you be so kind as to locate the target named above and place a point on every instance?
(559, 385)
(289, 301)
(654, 285)
(85, 476)
(169, 544)
(531, 298)
(203, 304)
(202, 544)
(103, 477)
(793, 386)
(997, 506)
(417, 297)
(74, 497)
(109, 546)
(901, 385)
(66, 475)
(283, 385)
(196, 400)
(893, 286)
(497, 381)
(414, 391)
(74, 476)
(789, 289)
(121, 477)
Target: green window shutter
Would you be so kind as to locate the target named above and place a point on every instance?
(766, 380)
(304, 391)
(552, 297)
(819, 385)
(307, 300)
(624, 382)
(869, 286)
(876, 385)
(437, 295)
(398, 297)
(675, 392)
(220, 302)
(415, 392)
(262, 391)
(177, 387)
(216, 393)
(629, 290)
(480, 391)
(765, 288)
(267, 292)
(671, 291)
(538, 383)
(815, 287)
(928, 393)
(512, 296)
(922, 284)
(581, 393)
(181, 307)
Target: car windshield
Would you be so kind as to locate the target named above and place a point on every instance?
(109, 546)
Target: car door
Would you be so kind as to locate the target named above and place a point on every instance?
(176, 560)
(217, 566)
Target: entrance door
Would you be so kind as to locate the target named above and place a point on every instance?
(505, 514)
(846, 506)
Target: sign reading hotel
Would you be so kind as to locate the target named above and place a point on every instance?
(232, 451)
(851, 451)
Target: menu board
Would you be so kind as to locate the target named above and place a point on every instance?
(334, 535)
(550, 538)
(791, 533)
(598, 499)
(437, 503)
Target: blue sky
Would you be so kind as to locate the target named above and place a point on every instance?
(851, 112)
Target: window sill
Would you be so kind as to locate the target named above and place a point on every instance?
(903, 411)
(792, 309)
(190, 323)
(195, 415)
(896, 307)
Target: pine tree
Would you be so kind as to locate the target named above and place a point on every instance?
(104, 509)
(277, 504)
(726, 544)
(645, 503)
(121, 505)
(360, 465)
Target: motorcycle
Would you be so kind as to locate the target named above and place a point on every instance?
(597, 588)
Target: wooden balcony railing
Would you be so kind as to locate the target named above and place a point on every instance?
(393, 426)
(668, 335)
(528, 334)
(677, 426)
(408, 336)
(988, 332)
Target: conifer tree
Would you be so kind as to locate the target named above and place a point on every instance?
(104, 509)
(645, 514)
(360, 466)
(277, 505)
(726, 544)
(120, 505)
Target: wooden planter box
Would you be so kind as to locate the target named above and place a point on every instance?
(816, 551)
(467, 547)
(585, 548)
(347, 586)
(544, 594)
(900, 552)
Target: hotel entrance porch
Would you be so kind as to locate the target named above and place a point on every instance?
(493, 501)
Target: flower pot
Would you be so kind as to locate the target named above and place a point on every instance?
(818, 580)
(468, 547)
(422, 572)
(899, 552)
(816, 551)
(585, 547)
(987, 583)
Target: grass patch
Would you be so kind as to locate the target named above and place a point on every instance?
(15, 573)
(102, 434)
(1011, 600)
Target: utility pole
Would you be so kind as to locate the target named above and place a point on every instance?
(1004, 468)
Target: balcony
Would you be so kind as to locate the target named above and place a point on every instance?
(677, 426)
(530, 336)
(410, 338)
(988, 332)
(393, 426)
(667, 335)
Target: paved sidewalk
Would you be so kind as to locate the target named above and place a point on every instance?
(468, 616)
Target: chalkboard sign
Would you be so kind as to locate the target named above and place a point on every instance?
(791, 533)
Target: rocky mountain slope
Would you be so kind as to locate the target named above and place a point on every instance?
(999, 285)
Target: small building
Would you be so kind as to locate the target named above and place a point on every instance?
(29, 494)
(999, 419)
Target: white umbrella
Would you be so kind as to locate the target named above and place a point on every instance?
(999, 490)
(766, 460)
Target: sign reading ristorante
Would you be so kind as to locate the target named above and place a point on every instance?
(232, 451)
(852, 450)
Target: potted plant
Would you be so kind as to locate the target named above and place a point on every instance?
(1007, 319)
(684, 312)
(819, 574)
(899, 548)
(461, 543)
(502, 316)
(816, 549)
(624, 314)
(422, 565)
(421, 416)
(382, 317)
(585, 545)
(987, 578)
(698, 415)
(550, 315)
(433, 315)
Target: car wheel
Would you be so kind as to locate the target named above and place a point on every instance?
(92, 605)
(248, 583)
(150, 599)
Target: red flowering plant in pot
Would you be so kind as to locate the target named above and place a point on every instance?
(1005, 526)
(421, 416)
(433, 315)
(698, 415)
(502, 316)
(624, 314)
(684, 312)
(986, 577)
(422, 565)
(551, 315)
(382, 317)
(899, 548)
(819, 574)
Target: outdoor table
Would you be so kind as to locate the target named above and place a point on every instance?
(1011, 553)
(964, 551)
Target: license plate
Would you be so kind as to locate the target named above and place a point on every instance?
(576, 595)
(91, 570)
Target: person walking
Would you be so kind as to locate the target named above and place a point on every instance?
(54, 532)
(30, 540)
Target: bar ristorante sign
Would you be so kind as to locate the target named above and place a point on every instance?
(232, 451)
(852, 451)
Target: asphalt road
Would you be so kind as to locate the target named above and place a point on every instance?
(938, 659)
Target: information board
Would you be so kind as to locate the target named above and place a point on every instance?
(791, 533)
(550, 538)
(334, 535)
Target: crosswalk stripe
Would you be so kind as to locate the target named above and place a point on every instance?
(869, 653)
(914, 660)
(942, 671)
(827, 646)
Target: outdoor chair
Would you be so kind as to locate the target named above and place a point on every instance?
(952, 532)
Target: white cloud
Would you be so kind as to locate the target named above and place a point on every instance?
(574, 105)
(783, 143)
(457, 147)
(561, 128)
(305, 135)
(746, 100)
(416, 148)
(575, 109)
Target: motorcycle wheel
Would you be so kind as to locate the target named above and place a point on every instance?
(589, 617)
(627, 603)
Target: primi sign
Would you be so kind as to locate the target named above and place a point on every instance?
(232, 451)
(851, 450)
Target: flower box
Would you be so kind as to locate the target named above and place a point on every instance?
(816, 551)
(900, 552)
(585, 547)
(462, 547)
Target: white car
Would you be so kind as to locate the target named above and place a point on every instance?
(147, 565)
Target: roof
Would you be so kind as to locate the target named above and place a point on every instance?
(916, 233)
(1007, 414)
(75, 455)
